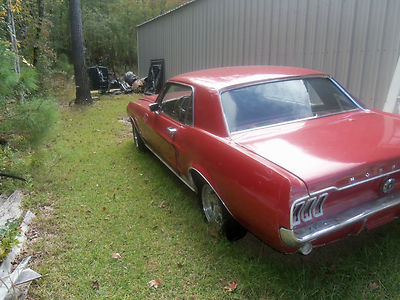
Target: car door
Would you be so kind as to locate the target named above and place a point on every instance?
(170, 121)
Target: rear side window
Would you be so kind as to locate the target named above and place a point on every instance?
(177, 103)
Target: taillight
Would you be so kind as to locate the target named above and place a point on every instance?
(317, 210)
(305, 210)
(297, 209)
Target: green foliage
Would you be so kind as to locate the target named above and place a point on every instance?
(14, 162)
(23, 116)
(59, 27)
(27, 83)
(32, 122)
(63, 66)
(12, 86)
(8, 78)
(8, 237)
(26, 118)
(110, 29)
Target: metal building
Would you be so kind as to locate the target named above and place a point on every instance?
(358, 41)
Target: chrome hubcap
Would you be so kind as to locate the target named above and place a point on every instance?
(211, 205)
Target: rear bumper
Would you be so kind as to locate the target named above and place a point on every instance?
(298, 237)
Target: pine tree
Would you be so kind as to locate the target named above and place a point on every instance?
(78, 55)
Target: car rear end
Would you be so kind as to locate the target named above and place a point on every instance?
(347, 156)
(366, 201)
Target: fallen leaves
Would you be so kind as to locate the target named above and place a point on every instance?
(162, 204)
(155, 283)
(116, 255)
(95, 285)
(373, 286)
(231, 286)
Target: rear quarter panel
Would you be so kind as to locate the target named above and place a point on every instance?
(256, 192)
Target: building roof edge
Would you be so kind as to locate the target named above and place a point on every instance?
(166, 13)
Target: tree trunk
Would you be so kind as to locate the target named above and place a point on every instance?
(78, 55)
(13, 37)
(36, 48)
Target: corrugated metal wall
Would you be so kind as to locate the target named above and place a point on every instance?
(358, 41)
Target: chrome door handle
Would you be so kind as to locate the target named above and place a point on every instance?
(172, 131)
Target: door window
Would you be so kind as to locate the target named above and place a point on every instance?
(177, 103)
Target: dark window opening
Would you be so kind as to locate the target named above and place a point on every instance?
(177, 103)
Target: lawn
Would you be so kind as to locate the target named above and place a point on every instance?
(111, 219)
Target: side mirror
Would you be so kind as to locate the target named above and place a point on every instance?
(154, 107)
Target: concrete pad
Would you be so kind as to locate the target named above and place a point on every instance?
(10, 208)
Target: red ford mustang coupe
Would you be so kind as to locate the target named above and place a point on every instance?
(283, 152)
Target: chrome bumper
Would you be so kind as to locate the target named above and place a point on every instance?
(304, 235)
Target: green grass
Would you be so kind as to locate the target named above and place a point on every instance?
(99, 196)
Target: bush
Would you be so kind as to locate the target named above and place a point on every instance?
(24, 117)
(8, 78)
(63, 66)
(30, 124)
(8, 237)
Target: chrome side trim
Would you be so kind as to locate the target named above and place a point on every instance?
(171, 169)
(298, 237)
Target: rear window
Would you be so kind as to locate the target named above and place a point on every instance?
(283, 101)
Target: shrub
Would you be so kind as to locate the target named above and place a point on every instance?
(8, 237)
(63, 66)
(24, 117)
(31, 122)
(8, 78)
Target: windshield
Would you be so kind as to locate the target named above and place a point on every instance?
(277, 102)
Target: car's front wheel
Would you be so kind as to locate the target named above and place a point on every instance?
(139, 143)
(216, 213)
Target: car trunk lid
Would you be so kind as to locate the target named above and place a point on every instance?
(337, 150)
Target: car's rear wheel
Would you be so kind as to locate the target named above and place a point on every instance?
(216, 214)
(139, 143)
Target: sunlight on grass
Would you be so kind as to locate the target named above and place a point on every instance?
(100, 196)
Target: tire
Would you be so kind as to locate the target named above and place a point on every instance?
(137, 138)
(216, 214)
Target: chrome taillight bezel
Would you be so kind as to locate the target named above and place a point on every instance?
(307, 209)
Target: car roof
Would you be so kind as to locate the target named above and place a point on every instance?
(221, 78)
